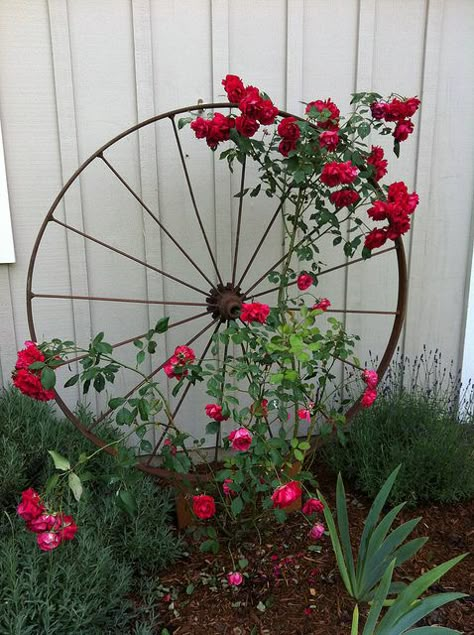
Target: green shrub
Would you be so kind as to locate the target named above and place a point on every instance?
(83, 586)
(418, 431)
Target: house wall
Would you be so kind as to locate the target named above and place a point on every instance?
(75, 73)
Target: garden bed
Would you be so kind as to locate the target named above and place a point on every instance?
(293, 589)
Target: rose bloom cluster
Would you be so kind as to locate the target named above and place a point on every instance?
(176, 365)
(329, 137)
(51, 529)
(396, 210)
(341, 173)
(398, 111)
(214, 411)
(255, 109)
(376, 159)
(254, 312)
(371, 379)
(29, 381)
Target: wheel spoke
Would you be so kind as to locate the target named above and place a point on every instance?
(321, 273)
(139, 337)
(182, 398)
(262, 240)
(125, 255)
(151, 375)
(361, 311)
(104, 299)
(239, 220)
(156, 219)
(193, 199)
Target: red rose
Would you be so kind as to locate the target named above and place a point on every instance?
(323, 304)
(68, 528)
(368, 398)
(43, 522)
(176, 365)
(315, 108)
(288, 129)
(204, 506)
(234, 88)
(312, 506)
(254, 312)
(378, 211)
(48, 540)
(31, 505)
(329, 139)
(250, 102)
(411, 106)
(267, 112)
(200, 127)
(371, 378)
(304, 281)
(214, 411)
(286, 146)
(286, 494)
(344, 198)
(376, 158)
(241, 439)
(403, 128)
(28, 355)
(30, 384)
(378, 109)
(376, 238)
(246, 126)
(335, 173)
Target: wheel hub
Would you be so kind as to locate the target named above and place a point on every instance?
(225, 302)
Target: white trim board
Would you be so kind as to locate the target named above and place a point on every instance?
(7, 251)
(468, 353)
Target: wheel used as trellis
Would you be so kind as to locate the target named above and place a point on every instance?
(214, 288)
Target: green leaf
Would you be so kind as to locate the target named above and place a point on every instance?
(183, 121)
(237, 505)
(243, 563)
(127, 502)
(72, 381)
(421, 610)
(190, 589)
(355, 621)
(140, 357)
(363, 130)
(379, 599)
(336, 545)
(75, 485)
(396, 148)
(432, 630)
(51, 483)
(343, 524)
(60, 462)
(48, 378)
(162, 325)
(115, 402)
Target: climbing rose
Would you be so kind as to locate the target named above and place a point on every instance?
(403, 128)
(175, 366)
(251, 102)
(286, 494)
(378, 109)
(267, 112)
(260, 409)
(204, 506)
(200, 127)
(28, 355)
(289, 129)
(286, 146)
(368, 398)
(317, 531)
(68, 527)
(43, 522)
(246, 126)
(312, 506)
(255, 312)
(376, 158)
(214, 411)
(48, 540)
(371, 378)
(329, 139)
(375, 238)
(240, 439)
(234, 88)
(30, 384)
(322, 304)
(226, 487)
(344, 198)
(332, 123)
(31, 505)
(335, 173)
(304, 281)
(304, 413)
(235, 578)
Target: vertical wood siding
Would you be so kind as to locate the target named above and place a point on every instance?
(75, 73)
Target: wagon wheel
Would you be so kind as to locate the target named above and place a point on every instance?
(212, 293)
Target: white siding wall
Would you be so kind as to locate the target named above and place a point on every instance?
(74, 73)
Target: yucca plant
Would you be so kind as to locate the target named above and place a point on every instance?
(407, 610)
(378, 548)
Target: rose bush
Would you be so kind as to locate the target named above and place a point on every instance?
(282, 389)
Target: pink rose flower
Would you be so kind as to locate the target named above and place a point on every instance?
(322, 304)
(286, 494)
(371, 378)
(226, 487)
(48, 540)
(368, 398)
(235, 578)
(43, 522)
(214, 411)
(240, 439)
(304, 413)
(317, 531)
(312, 506)
(305, 280)
(31, 505)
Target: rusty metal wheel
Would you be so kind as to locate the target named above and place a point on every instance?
(213, 290)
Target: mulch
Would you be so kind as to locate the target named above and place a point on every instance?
(294, 590)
